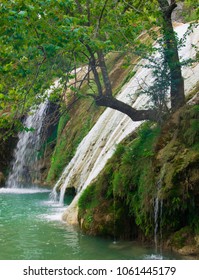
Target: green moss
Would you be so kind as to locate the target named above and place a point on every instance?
(191, 11)
(144, 145)
(125, 182)
(87, 199)
(179, 238)
(166, 157)
(71, 130)
(62, 122)
(48, 144)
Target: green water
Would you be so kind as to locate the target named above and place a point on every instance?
(31, 229)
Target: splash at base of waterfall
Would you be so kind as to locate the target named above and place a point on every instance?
(23, 190)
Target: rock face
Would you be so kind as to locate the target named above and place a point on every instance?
(70, 215)
(192, 249)
(152, 166)
(189, 250)
(2, 179)
(49, 135)
(6, 153)
(177, 13)
(197, 240)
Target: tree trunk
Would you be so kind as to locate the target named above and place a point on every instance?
(105, 76)
(171, 54)
(108, 100)
(134, 114)
(105, 97)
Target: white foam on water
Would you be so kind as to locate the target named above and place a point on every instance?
(54, 210)
(51, 217)
(153, 257)
(23, 190)
(51, 203)
(55, 215)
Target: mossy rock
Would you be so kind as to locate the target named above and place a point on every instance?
(155, 162)
(189, 250)
(181, 237)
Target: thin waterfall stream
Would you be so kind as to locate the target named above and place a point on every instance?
(158, 205)
(158, 212)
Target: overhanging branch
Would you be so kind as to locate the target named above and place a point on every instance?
(135, 115)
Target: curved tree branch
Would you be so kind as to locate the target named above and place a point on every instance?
(135, 115)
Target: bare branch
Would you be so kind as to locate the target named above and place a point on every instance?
(100, 18)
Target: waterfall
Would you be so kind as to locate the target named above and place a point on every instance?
(158, 211)
(158, 205)
(112, 127)
(24, 171)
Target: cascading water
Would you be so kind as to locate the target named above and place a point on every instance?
(24, 171)
(158, 208)
(112, 127)
(158, 204)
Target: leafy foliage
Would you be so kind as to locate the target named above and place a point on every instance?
(192, 10)
(45, 40)
(158, 91)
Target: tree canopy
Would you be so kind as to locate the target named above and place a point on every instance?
(45, 40)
